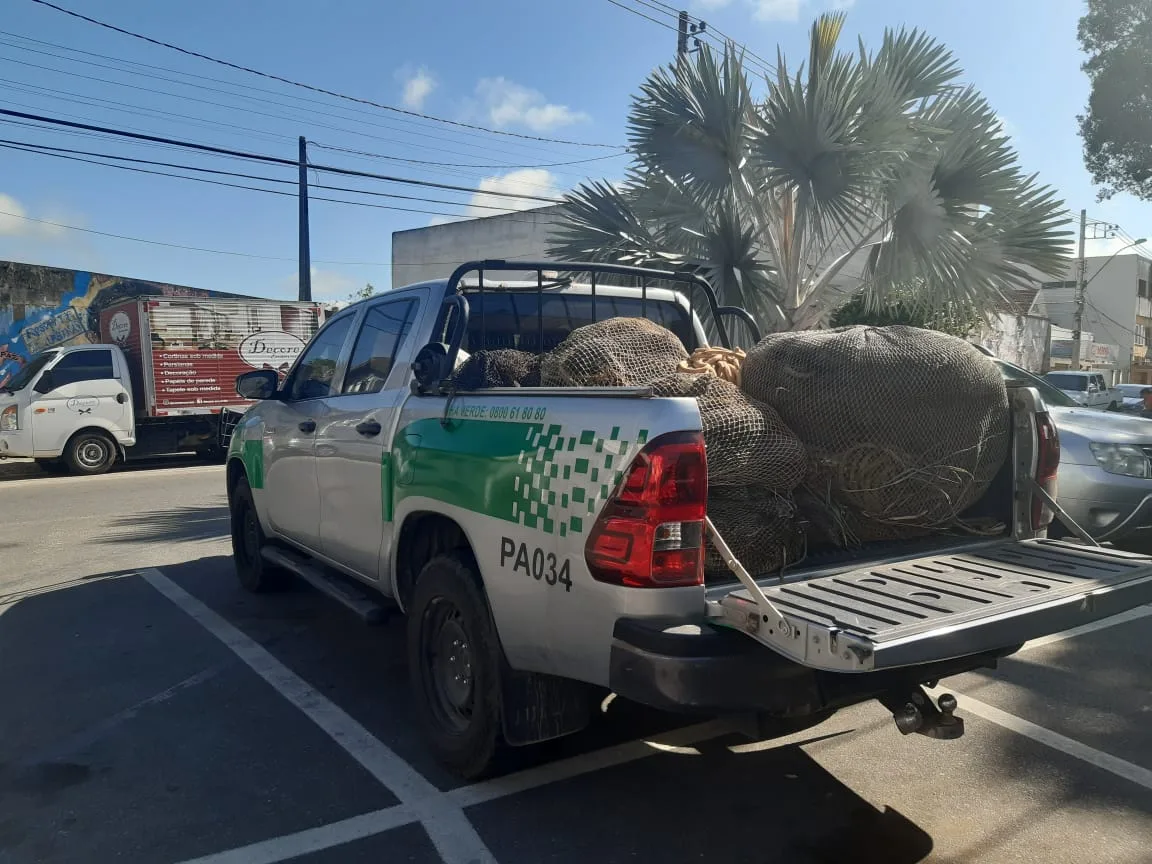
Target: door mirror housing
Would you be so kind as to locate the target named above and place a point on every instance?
(258, 384)
(46, 383)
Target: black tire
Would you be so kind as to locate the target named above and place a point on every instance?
(89, 453)
(255, 574)
(458, 695)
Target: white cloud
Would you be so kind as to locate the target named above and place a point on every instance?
(418, 86)
(509, 104)
(15, 222)
(525, 181)
(776, 10)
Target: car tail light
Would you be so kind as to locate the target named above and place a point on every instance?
(1047, 461)
(650, 534)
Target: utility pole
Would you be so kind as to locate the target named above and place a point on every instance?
(682, 36)
(1081, 271)
(305, 250)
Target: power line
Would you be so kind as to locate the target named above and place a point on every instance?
(423, 130)
(315, 89)
(422, 134)
(186, 248)
(70, 153)
(460, 164)
(259, 157)
(641, 14)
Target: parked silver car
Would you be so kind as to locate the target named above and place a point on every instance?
(1105, 476)
(1133, 402)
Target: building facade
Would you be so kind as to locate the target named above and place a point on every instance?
(1117, 324)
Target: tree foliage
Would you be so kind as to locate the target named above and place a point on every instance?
(1117, 128)
(953, 318)
(857, 173)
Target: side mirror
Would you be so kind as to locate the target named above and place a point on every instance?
(258, 384)
(46, 384)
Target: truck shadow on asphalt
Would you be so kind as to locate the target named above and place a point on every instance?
(119, 703)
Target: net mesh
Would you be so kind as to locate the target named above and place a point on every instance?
(499, 367)
(759, 527)
(617, 352)
(746, 441)
(905, 428)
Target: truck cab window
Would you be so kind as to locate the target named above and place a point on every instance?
(312, 377)
(380, 337)
(92, 365)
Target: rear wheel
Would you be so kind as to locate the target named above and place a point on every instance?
(453, 661)
(254, 573)
(89, 453)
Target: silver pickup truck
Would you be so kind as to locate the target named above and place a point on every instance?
(545, 544)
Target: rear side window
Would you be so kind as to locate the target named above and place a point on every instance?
(381, 335)
(92, 365)
(312, 378)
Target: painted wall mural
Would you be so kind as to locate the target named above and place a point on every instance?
(46, 307)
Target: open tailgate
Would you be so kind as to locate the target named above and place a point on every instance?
(937, 607)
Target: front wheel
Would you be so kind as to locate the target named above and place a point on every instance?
(89, 453)
(254, 573)
(453, 661)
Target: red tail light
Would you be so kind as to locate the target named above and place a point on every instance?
(651, 532)
(1047, 461)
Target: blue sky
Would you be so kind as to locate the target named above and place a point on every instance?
(537, 67)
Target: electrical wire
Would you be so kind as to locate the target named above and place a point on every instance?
(460, 164)
(423, 135)
(314, 88)
(424, 131)
(642, 15)
(186, 248)
(259, 157)
(70, 153)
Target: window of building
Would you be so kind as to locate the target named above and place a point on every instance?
(1143, 287)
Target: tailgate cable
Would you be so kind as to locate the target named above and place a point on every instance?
(1062, 514)
(758, 597)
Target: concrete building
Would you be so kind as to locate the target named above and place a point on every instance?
(434, 252)
(1117, 316)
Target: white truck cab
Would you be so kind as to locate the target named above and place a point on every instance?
(73, 404)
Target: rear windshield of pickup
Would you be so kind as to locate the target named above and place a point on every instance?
(1068, 382)
(507, 319)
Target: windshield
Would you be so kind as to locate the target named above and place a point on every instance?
(1132, 391)
(21, 379)
(1051, 395)
(1068, 382)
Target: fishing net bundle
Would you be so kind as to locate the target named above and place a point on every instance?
(747, 443)
(499, 367)
(617, 352)
(905, 428)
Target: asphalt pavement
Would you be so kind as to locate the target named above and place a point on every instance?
(151, 711)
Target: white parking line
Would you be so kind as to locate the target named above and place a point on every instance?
(1069, 746)
(448, 828)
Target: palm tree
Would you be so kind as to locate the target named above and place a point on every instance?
(859, 175)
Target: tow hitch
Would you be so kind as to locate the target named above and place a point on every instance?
(915, 711)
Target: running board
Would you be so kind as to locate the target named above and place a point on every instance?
(340, 588)
(938, 607)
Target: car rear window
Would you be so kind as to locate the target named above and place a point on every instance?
(507, 319)
(1068, 382)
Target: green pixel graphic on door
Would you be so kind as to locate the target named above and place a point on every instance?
(534, 474)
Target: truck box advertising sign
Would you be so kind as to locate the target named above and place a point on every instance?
(186, 354)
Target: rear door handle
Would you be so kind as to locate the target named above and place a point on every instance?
(307, 426)
(369, 428)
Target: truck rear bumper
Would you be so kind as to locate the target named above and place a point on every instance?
(701, 669)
